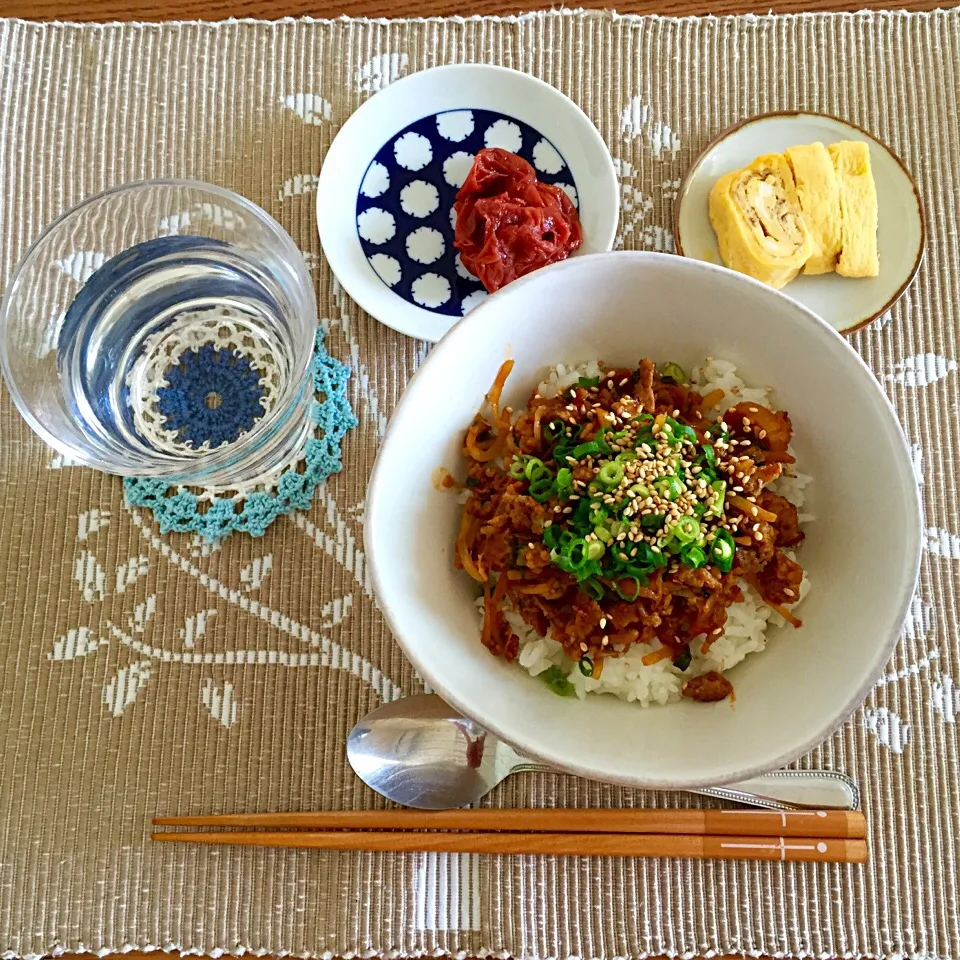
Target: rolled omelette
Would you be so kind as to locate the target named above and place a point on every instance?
(858, 209)
(758, 221)
(819, 195)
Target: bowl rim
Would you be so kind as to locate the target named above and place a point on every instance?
(402, 315)
(460, 335)
(694, 167)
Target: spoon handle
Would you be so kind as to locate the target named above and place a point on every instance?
(792, 790)
(780, 790)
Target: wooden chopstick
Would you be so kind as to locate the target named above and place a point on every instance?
(790, 849)
(828, 824)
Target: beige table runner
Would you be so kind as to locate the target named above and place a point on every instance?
(142, 673)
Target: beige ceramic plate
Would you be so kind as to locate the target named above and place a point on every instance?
(846, 304)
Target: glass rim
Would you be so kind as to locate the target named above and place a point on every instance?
(219, 457)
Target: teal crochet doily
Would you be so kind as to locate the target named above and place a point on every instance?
(178, 509)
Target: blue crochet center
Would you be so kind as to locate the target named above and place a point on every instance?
(213, 396)
(179, 510)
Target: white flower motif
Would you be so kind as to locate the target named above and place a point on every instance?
(419, 199)
(309, 107)
(455, 125)
(425, 245)
(412, 151)
(387, 268)
(376, 225)
(456, 167)
(220, 702)
(545, 157)
(431, 290)
(124, 687)
(376, 181)
(504, 134)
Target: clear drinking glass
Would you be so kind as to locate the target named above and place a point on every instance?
(164, 329)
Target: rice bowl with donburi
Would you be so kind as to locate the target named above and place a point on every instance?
(634, 531)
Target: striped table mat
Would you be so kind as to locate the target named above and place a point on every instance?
(142, 673)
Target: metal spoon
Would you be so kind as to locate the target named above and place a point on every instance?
(422, 753)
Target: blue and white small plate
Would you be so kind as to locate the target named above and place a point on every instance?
(387, 187)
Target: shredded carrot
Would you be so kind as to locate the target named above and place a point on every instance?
(775, 607)
(464, 542)
(541, 589)
(537, 415)
(494, 395)
(499, 591)
(655, 656)
(478, 453)
(751, 509)
(711, 399)
(774, 456)
(786, 614)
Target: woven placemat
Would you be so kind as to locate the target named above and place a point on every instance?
(142, 673)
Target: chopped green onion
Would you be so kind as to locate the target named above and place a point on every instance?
(586, 666)
(673, 371)
(685, 530)
(682, 660)
(719, 487)
(722, 550)
(575, 551)
(589, 382)
(709, 454)
(598, 512)
(543, 489)
(611, 474)
(517, 467)
(670, 487)
(593, 588)
(699, 509)
(557, 682)
(628, 594)
(535, 469)
(595, 550)
(554, 537)
(603, 533)
(553, 430)
(652, 521)
(641, 490)
(564, 482)
(693, 556)
(587, 449)
(580, 518)
(617, 527)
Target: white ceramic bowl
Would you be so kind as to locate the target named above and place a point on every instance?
(862, 552)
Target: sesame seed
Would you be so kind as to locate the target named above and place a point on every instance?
(754, 409)
(567, 510)
(548, 523)
(718, 631)
(755, 527)
(746, 421)
(789, 592)
(762, 434)
(754, 512)
(738, 489)
(624, 381)
(603, 622)
(574, 496)
(583, 647)
(605, 641)
(758, 537)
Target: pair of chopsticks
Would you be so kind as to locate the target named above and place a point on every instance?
(818, 836)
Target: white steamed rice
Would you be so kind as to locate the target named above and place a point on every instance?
(626, 676)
